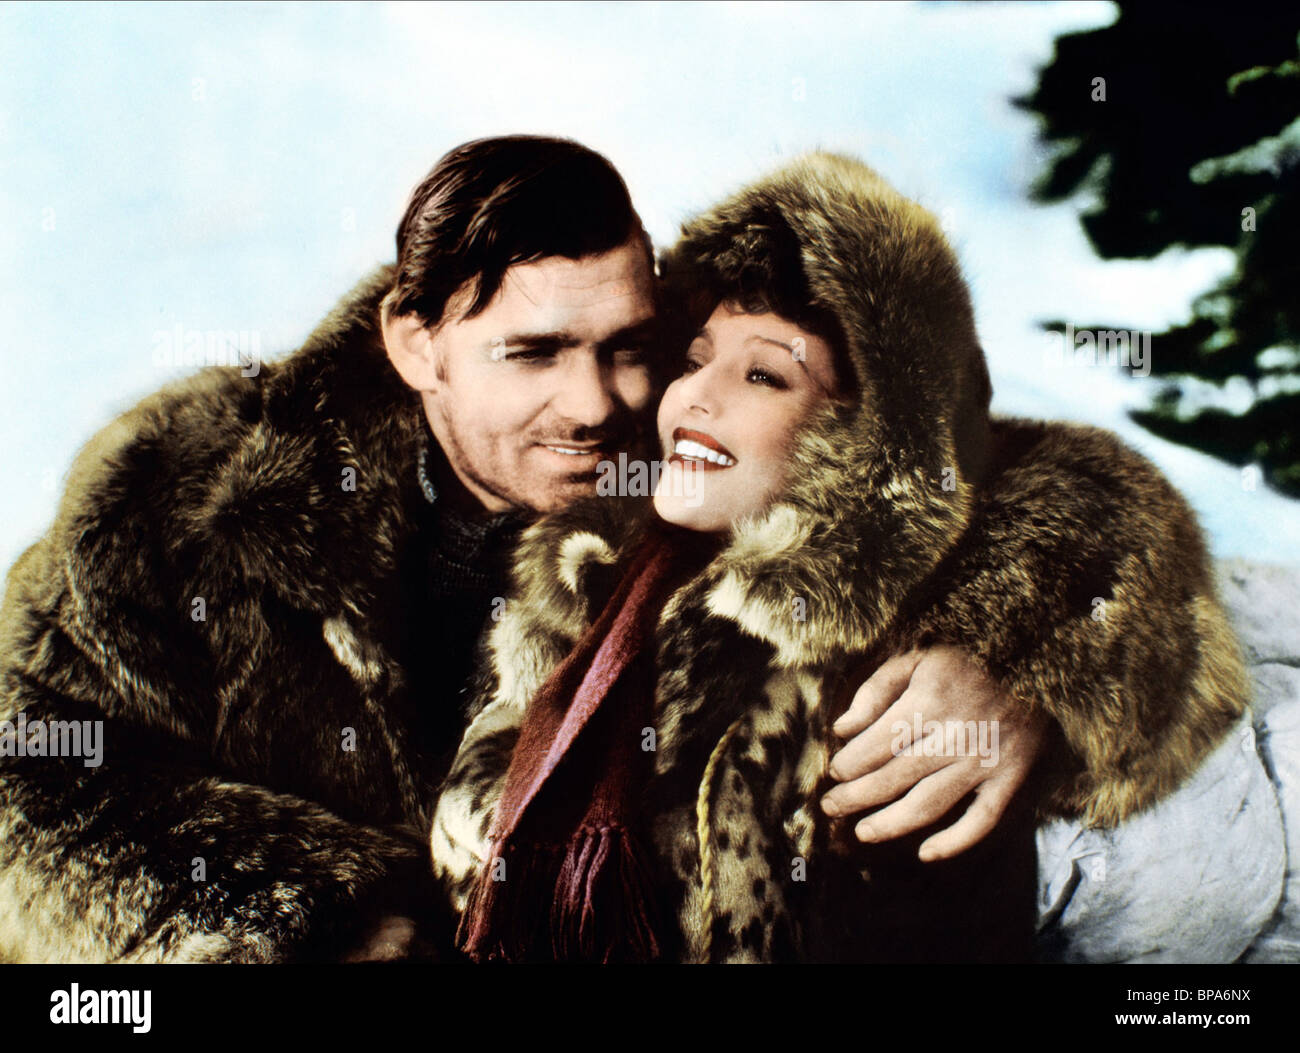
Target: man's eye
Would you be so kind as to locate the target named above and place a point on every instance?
(530, 354)
(632, 355)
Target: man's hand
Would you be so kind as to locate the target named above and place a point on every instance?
(940, 684)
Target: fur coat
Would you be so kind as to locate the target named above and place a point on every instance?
(219, 588)
(1055, 556)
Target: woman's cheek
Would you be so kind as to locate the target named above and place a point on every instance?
(773, 457)
(773, 482)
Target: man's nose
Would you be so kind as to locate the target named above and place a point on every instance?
(586, 394)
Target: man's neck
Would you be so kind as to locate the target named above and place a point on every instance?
(449, 495)
(451, 491)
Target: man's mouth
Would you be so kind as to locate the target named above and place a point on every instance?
(577, 452)
(699, 451)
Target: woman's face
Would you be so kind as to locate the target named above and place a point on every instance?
(750, 383)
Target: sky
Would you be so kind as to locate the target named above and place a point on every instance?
(172, 169)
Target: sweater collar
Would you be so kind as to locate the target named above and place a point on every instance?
(464, 539)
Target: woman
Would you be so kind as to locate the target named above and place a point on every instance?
(642, 776)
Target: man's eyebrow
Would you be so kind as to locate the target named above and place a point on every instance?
(641, 330)
(555, 340)
(560, 338)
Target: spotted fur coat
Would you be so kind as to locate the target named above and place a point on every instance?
(1058, 558)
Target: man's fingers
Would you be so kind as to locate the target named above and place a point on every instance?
(879, 787)
(877, 694)
(979, 819)
(928, 800)
(864, 753)
(883, 738)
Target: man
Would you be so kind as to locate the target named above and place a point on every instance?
(265, 594)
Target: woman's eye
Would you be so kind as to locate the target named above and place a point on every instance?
(691, 365)
(759, 375)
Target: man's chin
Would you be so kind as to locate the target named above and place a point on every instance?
(565, 493)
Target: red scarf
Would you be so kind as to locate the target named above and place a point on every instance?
(567, 879)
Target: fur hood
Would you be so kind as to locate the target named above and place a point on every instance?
(880, 491)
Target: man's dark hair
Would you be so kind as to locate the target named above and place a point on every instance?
(492, 203)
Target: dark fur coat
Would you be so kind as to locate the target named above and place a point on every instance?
(1058, 558)
(229, 819)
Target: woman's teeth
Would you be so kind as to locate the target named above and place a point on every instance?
(699, 452)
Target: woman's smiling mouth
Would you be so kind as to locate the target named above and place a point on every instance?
(700, 451)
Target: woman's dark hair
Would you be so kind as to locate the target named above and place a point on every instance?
(492, 203)
(755, 269)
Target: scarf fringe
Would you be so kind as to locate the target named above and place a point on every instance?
(600, 909)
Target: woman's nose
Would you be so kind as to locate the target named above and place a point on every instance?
(701, 390)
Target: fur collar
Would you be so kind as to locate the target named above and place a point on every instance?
(315, 497)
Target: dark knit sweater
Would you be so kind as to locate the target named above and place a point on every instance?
(458, 568)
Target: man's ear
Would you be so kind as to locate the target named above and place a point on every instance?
(411, 349)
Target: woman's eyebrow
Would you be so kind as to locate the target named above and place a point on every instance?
(770, 340)
(800, 360)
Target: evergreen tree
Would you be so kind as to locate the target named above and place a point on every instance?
(1185, 123)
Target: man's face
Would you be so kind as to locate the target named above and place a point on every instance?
(551, 378)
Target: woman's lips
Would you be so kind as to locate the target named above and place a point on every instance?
(699, 451)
